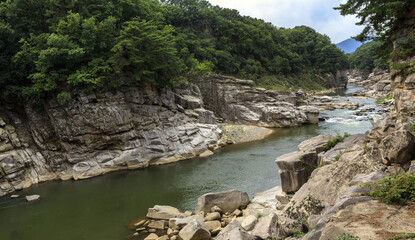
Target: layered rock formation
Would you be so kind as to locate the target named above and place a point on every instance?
(236, 101)
(132, 128)
(98, 133)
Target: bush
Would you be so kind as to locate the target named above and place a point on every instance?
(394, 189)
(345, 237)
(384, 99)
(333, 142)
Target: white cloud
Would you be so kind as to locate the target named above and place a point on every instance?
(318, 14)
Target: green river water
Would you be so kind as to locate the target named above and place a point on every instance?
(101, 207)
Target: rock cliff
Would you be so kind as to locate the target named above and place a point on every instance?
(132, 128)
(332, 197)
(236, 101)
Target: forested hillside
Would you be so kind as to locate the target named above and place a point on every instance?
(56, 47)
(366, 58)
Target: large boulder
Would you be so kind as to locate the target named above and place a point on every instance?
(398, 147)
(234, 231)
(329, 183)
(315, 144)
(195, 230)
(295, 169)
(266, 227)
(179, 223)
(160, 212)
(227, 201)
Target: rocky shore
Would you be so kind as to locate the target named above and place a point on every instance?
(136, 127)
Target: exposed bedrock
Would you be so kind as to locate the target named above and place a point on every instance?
(98, 133)
(236, 101)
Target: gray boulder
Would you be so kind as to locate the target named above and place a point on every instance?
(179, 223)
(295, 169)
(160, 212)
(398, 147)
(249, 222)
(234, 231)
(195, 230)
(266, 227)
(227, 201)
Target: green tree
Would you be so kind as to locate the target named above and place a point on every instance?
(146, 52)
(380, 19)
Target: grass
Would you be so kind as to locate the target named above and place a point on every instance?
(345, 237)
(396, 190)
(333, 142)
(384, 99)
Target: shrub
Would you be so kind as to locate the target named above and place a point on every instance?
(402, 236)
(333, 142)
(298, 234)
(394, 189)
(387, 98)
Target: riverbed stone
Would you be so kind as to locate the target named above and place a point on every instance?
(151, 236)
(249, 222)
(162, 212)
(266, 227)
(31, 198)
(212, 216)
(157, 225)
(216, 209)
(227, 201)
(179, 223)
(214, 226)
(195, 230)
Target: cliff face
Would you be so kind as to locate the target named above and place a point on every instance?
(333, 194)
(235, 101)
(132, 128)
(98, 133)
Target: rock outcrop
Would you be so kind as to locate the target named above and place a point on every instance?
(226, 201)
(98, 133)
(236, 101)
(132, 128)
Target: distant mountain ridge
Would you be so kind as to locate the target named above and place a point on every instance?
(349, 45)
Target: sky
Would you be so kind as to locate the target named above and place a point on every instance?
(318, 14)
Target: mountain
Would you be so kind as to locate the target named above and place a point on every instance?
(349, 45)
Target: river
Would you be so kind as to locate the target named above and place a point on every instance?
(100, 208)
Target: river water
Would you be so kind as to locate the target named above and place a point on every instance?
(100, 208)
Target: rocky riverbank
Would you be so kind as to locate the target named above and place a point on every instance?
(135, 127)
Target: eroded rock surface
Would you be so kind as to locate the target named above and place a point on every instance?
(236, 101)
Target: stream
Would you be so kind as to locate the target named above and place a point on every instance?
(101, 207)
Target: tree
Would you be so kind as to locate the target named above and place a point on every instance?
(146, 52)
(380, 19)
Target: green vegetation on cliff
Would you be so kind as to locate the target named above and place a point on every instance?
(56, 48)
(394, 189)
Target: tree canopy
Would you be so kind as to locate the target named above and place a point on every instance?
(380, 19)
(366, 59)
(57, 47)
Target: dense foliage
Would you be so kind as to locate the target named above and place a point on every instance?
(394, 189)
(366, 59)
(56, 47)
(380, 19)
